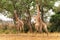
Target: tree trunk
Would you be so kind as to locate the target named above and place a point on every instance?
(42, 13)
(29, 19)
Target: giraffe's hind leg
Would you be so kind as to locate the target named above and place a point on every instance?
(40, 28)
(46, 30)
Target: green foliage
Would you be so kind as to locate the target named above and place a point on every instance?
(6, 4)
(55, 20)
(22, 5)
(26, 28)
(56, 9)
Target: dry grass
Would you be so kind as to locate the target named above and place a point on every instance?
(30, 36)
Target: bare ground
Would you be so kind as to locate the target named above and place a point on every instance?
(30, 36)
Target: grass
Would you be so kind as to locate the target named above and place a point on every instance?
(30, 36)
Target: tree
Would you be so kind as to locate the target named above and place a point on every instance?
(21, 6)
(55, 20)
(11, 6)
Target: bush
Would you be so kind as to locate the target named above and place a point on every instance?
(55, 20)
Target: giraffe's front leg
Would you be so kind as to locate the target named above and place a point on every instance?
(36, 27)
(40, 27)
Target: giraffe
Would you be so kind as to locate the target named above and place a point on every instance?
(19, 23)
(39, 24)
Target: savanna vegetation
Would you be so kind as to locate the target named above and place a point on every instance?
(21, 11)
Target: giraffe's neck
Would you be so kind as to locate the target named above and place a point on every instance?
(38, 13)
(16, 16)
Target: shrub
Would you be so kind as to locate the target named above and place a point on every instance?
(55, 20)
